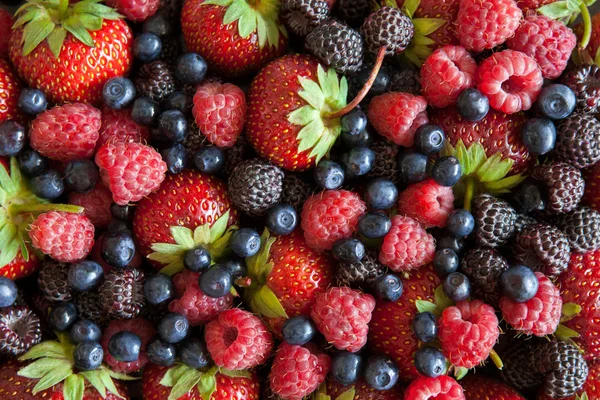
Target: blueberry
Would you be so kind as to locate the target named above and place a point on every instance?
(147, 47)
(430, 362)
(460, 223)
(48, 185)
(362, 139)
(173, 328)
(8, 292)
(429, 139)
(530, 196)
(360, 160)
(175, 157)
(329, 175)
(158, 24)
(209, 159)
(457, 286)
(519, 283)
(190, 68)
(424, 325)
(32, 101)
(197, 260)
(472, 105)
(125, 346)
(445, 240)
(118, 93)
(173, 124)
(179, 100)
(446, 171)
(412, 166)
(124, 213)
(85, 275)
(298, 330)
(360, 78)
(12, 138)
(158, 289)
(62, 316)
(81, 175)
(388, 287)
(117, 249)
(445, 262)
(84, 331)
(145, 111)
(381, 194)
(193, 353)
(354, 122)
(32, 163)
(245, 242)
(556, 101)
(282, 219)
(88, 356)
(374, 225)
(215, 282)
(236, 267)
(539, 135)
(348, 250)
(118, 226)
(346, 367)
(381, 372)
(160, 352)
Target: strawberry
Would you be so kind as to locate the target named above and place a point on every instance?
(591, 195)
(6, 22)
(43, 51)
(10, 89)
(248, 32)
(479, 387)
(445, 10)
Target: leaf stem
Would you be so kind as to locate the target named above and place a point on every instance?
(469, 191)
(40, 208)
(587, 26)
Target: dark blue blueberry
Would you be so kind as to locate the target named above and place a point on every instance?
(125, 346)
(298, 330)
(360, 78)
(81, 175)
(429, 139)
(32, 163)
(430, 362)
(282, 219)
(197, 260)
(158, 24)
(193, 353)
(362, 139)
(388, 287)
(329, 175)
(173, 124)
(62, 316)
(445, 262)
(360, 160)
(48, 185)
(457, 286)
(12, 138)
(158, 289)
(530, 196)
(216, 281)
(381, 372)
(175, 157)
(124, 213)
(556, 101)
(349, 250)
(145, 111)
(236, 267)
(446, 171)
(381, 194)
(445, 240)
(412, 166)
(160, 352)
(147, 47)
(346, 367)
(84, 331)
(190, 68)
(374, 225)
(245, 242)
(519, 283)
(424, 325)
(209, 159)
(173, 328)
(179, 100)
(118, 93)
(88, 356)
(118, 226)
(460, 223)
(8, 292)
(472, 105)
(539, 135)
(117, 249)
(354, 122)
(32, 101)
(85, 275)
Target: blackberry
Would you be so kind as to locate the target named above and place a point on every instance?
(522, 221)
(582, 227)
(235, 154)
(494, 220)
(302, 16)
(255, 186)
(484, 266)
(386, 161)
(519, 369)
(336, 45)
(88, 307)
(362, 274)
(585, 83)
(295, 191)
(20, 329)
(564, 185)
(563, 367)
(387, 27)
(122, 293)
(405, 80)
(353, 12)
(155, 81)
(170, 50)
(171, 9)
(578, 140)
(52, 281)
(194, 140)
(542, 248)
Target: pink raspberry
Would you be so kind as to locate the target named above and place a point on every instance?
(119, 127)
(468, 332)
(397, 116)
(342, 315)
(96, 204)
(6, 22)
(238, 339)
(511, 80)
(538, 316)
(329, 216)
(66, 237)
(131, 170)
(427, 202)
(66, 133)
(407, 245)
(220, 111)
(445, 74)
(135, 10)
(141, 327)
(297, 371)
(440, 388)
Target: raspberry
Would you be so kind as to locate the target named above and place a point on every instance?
(329, 216)
(220, 111)
(440, 388)
(407, 245)
(342, 315)
(96, 204)
(237, 339)
(539, 316)
(548, 41)
(6, 21)
(119, 127)
(66, 133)
(135, 10)
(445, 74)
(468, 331)
(397, 116)
(530, 6)
(141, 327)
(66, 237)
(427, 202)
(511, 80)
(297, 371)
(131, 170)
(197, 307)
(484, 25)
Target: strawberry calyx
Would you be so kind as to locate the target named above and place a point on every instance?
(582, 396)
(568, 312)
(321, 394)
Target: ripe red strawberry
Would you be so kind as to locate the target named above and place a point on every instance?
(118, 127)
(96, 204)
(446, 10)
(362, 391)
(248, 32)
(443, 387)
(479, 387)
(47, 61)
(141, 327)
(10, 89)
(591, 195)
(19, 267)
(407, 245)
(135, 10)
(427, 202)
(6, 21)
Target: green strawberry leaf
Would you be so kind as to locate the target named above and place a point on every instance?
(241, 373)
(264, 302)
(40, 368)
(410, 7)
(426, 306)
(258, 265)
(303, 115)
(185, 383)
(573, 5)
(183, 236)
(460, 372)
(56, 40)
(569, 311)
(120, 376)
(556, 10)
(108, 382)
(207, 386)
(94, 379)
(219, 227)
(347, 395)
(312, 92)
(494, 168)
(75, 27)
(564, 333)
(45, 349)
(441, 299)
(54, 377)
(173, 374)
(73, 387)
(426, 26)
(222, 3)
(582, 396)
(35, 32)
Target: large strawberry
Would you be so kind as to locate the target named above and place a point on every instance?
(236, 37)
(10, 89)
(70, 50)
(591, 195)
(6, 22)
(479, 387)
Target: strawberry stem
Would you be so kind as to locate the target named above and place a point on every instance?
(587, 26)
(63, 7)
(41, 208)
(469, 191)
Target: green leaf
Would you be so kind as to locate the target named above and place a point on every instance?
(91, 22)
(207, 386)
(74, 387)
(247, 24)
(95, 8)
(39, 368)
(310, 134)
(426, 26)
(44, 349)
(222, 3)
(108, 382)
(477, 156)
(169, 249)
(325, 143)
(494, 168)
(504, 185)
(218, 227)
(422, 40)
(272, 32)
(564, 333)
(324, 82)
(220, 247)
(120, 376)
(410, 7)
(240, 373)
(347, 395)
(303, 115)
(441, 299)
(172, 268)
(582, 396)
(265, 303)
(202, 234)
(35, 32)
(185, 383)
(569, 311)
(94, 379)
(426, 306)
(261, 30)
(9, 252)
(183, 236)
(573, 5)
(460, 373)
(7, 235)
(258, 265)
(173, 374)
(74, 26)
(23, 246)
(235, 11)
(56, 40)
(31, 14)
(57, 375)
(462, 154)
(312, 93)
(555, 10)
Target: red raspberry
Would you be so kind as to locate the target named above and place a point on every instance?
(539, 316)
(297, 371)
(445, 74)
(131, 170)
(66, 133)
(548, 41)
(530, 6)
(66, 237)
(427, 202)
(329, 216)
(96, 203)
(6, 22)
(342, 315)
(397, 116)
(197, 307)
(119, 127)
(238, 339)
(407, 245)
(484, 25)
(511, 80)
(220, 111)
(468, 332)
(135, 10)
(440, 388)
(141, 327)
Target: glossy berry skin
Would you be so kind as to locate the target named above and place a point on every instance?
(118, 249)
(388, 287)
(62, 316)
(413, 166)
(81, 176)
(556, 101)
(85, 275)
(429, 361)
(472, 105)
(158, 289)
(160, 352)
(245, 242)
(539, 135)
(216, 281)
(354, 122)
(118, 93)
(179, 100)
(381, 372)
(209, 159)
(360, 161)
(427, 202)
(519, 283)
(123, 213)
(32, 163)
(429, 139)
(424, 325)
(447, 171)
(197, 260)
(460, 223)
(282, 219)
(348, 250)
(362, 139)
(346, 367)
(12, 138)
(381, 194)
(147, 47)
(445, 262)
(236, 267)
(8, 292)
(193, 353)
(530, 196)
(32, 101)
(374, 225)
(145, 111)
(173, 328)
(158, 24)
(298, 330)
(329, 175)
(457, 286)
(125, 346)
(84, 331)
(190, 68)
(175, 157)
(173, 125)
(88, 356)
